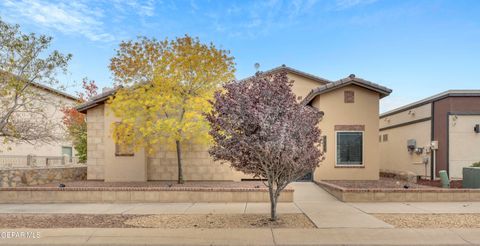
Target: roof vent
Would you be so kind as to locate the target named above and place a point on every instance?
(351, 76)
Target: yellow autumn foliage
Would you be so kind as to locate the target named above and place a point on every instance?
(167, 86)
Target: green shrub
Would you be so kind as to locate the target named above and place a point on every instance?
(476, 164)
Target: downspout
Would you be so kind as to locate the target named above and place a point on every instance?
(434, 163)
(432, 133)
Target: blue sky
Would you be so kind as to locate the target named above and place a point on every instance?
(417, 48)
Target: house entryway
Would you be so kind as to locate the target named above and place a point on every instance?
(307, 178)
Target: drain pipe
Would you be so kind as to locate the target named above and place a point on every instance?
(434, 164)
(434, 147)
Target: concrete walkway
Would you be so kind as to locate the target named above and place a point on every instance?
(328, 212)
(338, 236)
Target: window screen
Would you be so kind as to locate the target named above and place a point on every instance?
(349, 148)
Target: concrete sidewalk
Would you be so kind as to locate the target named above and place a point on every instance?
(338, 236)
(148, 208)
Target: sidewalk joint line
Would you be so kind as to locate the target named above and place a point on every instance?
(273, 237)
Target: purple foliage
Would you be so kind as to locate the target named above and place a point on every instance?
(260, 129)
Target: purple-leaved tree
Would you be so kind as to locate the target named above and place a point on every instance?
(260, 129)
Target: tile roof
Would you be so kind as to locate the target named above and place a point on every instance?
(44, 87)
(96, 100)
(382, 90)
(55, 91)
(294, 71)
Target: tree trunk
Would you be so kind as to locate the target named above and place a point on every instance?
(273, 204)
(179, 162)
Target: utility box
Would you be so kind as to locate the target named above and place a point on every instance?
(434, 145)
(471, 178)
(411, 145)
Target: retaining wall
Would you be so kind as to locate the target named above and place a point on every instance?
(35, 176)
(401, 195)
(136, 194)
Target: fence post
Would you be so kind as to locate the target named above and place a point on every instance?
(29, 160)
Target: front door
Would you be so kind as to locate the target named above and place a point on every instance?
(307, 178)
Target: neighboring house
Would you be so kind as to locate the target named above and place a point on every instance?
(349, 128)
(450, 120)
(57, 99)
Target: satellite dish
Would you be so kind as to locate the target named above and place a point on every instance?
(257, 66)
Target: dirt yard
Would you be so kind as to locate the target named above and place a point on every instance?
(431, 220)
(153, 221)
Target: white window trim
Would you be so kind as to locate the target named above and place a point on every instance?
(350, 164)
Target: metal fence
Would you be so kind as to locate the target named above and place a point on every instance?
(34, 161)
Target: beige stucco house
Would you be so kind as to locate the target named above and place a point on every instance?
(441, 132)
(56, 99)
(349, 127)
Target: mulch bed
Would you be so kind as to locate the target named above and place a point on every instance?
(153, 221)
(431, 220)
(173, 184)
(383, 182)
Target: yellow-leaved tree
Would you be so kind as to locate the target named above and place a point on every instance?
(166, 88)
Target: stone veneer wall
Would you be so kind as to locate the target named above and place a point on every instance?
(95, 142)
(36, 176)
(197, 165)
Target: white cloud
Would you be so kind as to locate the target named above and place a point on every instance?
(260, 17)
(66, 17)
(88, 18)
(141, 8)
(345, 4)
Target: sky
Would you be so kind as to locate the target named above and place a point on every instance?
(417, 48)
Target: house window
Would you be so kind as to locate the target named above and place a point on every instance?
(385, 137)
(349, 96)
(379, 138)
(350, 148)
(122, 149)
(67, 151)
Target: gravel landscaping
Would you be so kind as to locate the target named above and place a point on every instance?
(153, 221)
(382, 183)
(431, 220)
(221, 221)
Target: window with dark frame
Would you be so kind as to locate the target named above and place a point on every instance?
(385, 137)
(349, 148)
(124, 149)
